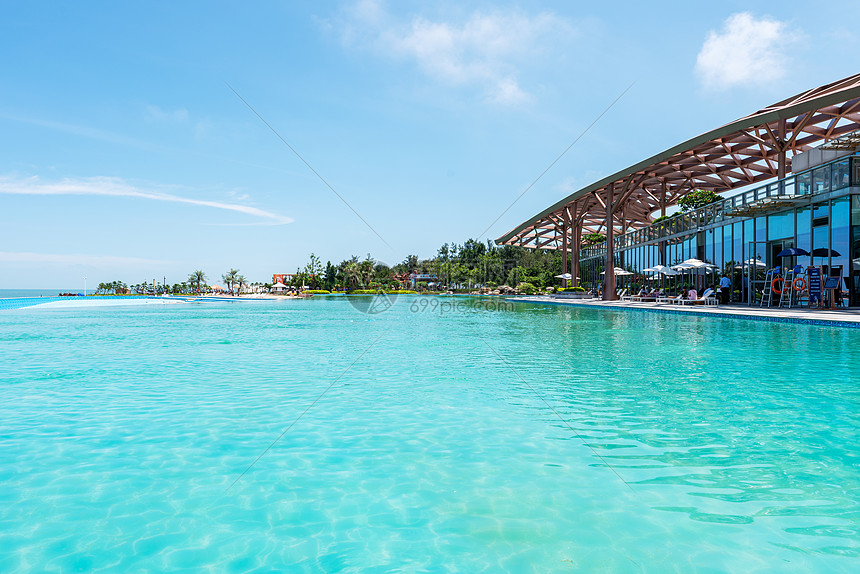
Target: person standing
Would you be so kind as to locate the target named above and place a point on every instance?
(725, 290)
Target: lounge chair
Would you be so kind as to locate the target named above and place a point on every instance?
(707, 298)
(692, 297)
(639, 296)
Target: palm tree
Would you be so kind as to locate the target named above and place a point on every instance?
(230, 278)
(351, 274)
(197, 278)
(241, 281)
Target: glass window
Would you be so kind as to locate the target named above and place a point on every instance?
(738, 236)
(804, 228)
(761, 228)
(804, 183)
(748, 236)
(839, 175)
(820, 214)
(780, 226)
(708, 253)
(717, 257)
(840, 240)
(821, 179)
(727, 244)
(854, 284)
(820, 240)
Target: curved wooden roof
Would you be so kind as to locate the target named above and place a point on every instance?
(743, 152)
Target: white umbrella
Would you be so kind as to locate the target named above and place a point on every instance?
(564, 276)
(754, 262)
(618, 271)
(661, 269)
(693, 264)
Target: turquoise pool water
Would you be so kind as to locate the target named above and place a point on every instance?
(533, 439)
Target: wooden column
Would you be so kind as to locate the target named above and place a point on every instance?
(564, 231)
(663, 214)
(622, 257)
(609, 271)
(663, 199)
(574, 255)
(780, 134)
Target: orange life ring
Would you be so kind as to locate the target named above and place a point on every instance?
(773, 285)
(799, 284)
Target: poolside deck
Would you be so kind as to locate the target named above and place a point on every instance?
(836, 318)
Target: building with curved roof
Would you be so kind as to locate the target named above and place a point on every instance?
(779, 143)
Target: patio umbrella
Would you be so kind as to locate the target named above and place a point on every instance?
(825, 252)
(792, 251)
(564, 276)
(697, 270)
(662, 269)
(754, 263)
(693, 264)
(618, 271)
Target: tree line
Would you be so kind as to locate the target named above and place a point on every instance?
(455, 266)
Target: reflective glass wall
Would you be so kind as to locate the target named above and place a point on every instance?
(829, 229)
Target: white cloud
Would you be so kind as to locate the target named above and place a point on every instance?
(179, 115)
(746, 51)
(487, 50)
(76, 259)
(115, 187)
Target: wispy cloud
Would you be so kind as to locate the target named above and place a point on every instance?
(77, 259)
(157, 113)
(115, 187)
(488, 50)
(746, 51)
(78, 130)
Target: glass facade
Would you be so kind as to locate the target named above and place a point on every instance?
(822, 216)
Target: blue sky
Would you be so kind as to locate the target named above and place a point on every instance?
(125, 155)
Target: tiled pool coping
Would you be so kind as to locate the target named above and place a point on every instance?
(845, 319)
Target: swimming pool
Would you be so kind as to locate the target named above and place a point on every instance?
(521, 438)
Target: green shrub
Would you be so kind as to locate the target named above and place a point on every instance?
(593, 239)
(526, 288)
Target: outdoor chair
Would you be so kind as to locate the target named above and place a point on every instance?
(639, 297)
(692, 298)
(707, 298)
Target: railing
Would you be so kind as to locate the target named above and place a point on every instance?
(823, 178)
